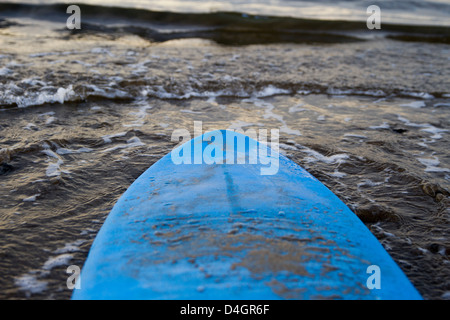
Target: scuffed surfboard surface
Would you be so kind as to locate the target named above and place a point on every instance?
(224, 231)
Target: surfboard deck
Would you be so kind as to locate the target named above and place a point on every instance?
(225, 231)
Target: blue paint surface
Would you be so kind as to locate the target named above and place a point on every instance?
(225, 231)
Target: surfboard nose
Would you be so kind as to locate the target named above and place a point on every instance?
(227, 147)
(255, 236)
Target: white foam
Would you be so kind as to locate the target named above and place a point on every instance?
(270, 114)
(375, 93)
(135, 141)
(32, 198)
(30, 284)
(30, 126)
(85, 64)
(316, 156)
(42, 54)
(228, 78)
(343, 93)
(422, 144)
(321, 118)
(131, 143)
(412, 124)
(141, 114)
(435, 131)
(268, 109)
(25, 100)
(414, 104)
(107, 138)
(87, 231)
(422, 95)
(384, 125)
(50, 113)
(239, 125)
(355, 136)
(61, 95)
(297, 108)
(63, 151)
(4, 71)
(190, 111)
(369, 183)
(60, 260)
(337, 174)
(38, 180)
(381, 230)
(287, 146)
(270, 91)
(438, 105)
(286, 129)
(334, 91)
(33, 82)
(50, 120)
(432, 165)
(160, 92)
(446, 295)
(49, 152)
(70, 247)
(235, 57)
(54, 169)
(111, 93)
(102, 51)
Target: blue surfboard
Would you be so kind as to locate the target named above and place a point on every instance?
(207, 221)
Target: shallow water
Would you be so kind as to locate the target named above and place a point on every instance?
(421, 12)
(84, 114)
